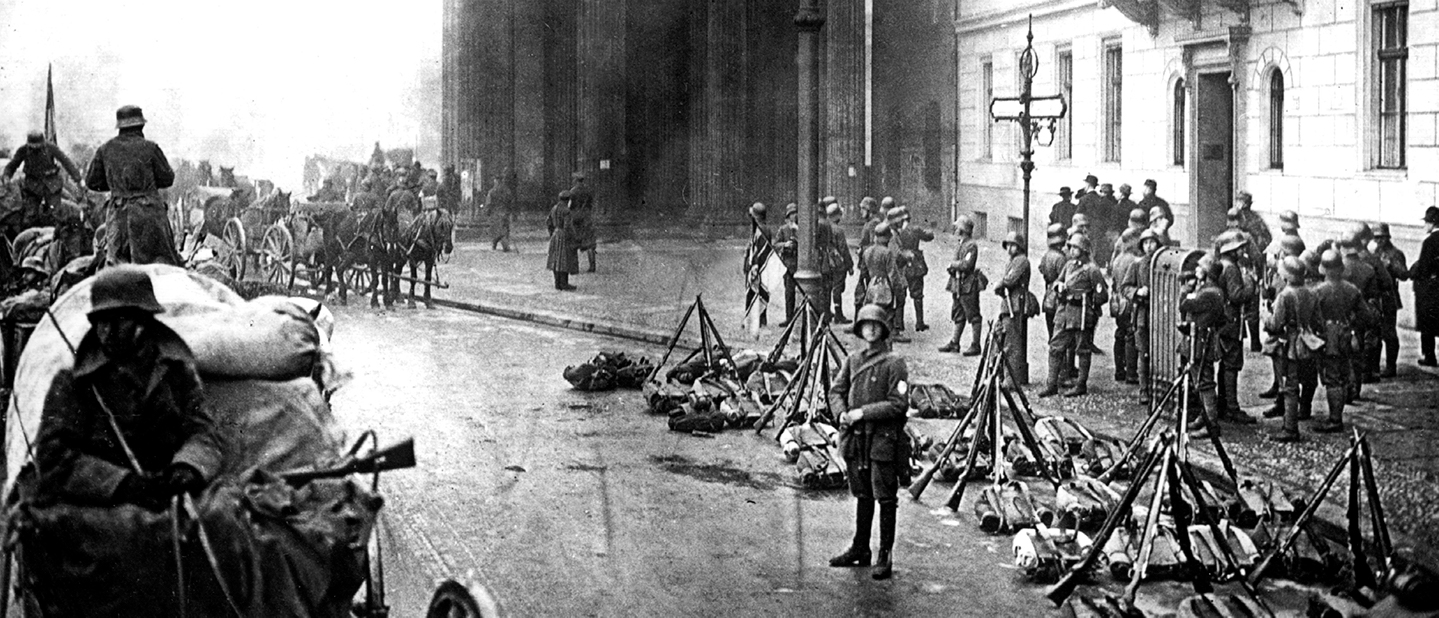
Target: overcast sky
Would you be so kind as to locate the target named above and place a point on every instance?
(257, 84)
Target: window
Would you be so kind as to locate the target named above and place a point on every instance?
(1113, 93)
(986, 91)
(1391, 26)
(1064, 77)
(1276, 120)
(1178, 122)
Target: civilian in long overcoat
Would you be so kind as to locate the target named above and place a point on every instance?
(563, 257)
(1426, 288)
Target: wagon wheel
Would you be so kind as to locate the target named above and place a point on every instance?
(277, 255)
(234, 250)
(453, 600)
(358, 277)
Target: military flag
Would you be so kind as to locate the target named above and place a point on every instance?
(763, 272)
(50, 135)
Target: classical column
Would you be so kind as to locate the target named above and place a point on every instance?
(810, 23)
(600, 54)
(843, 139)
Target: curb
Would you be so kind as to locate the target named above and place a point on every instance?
(560, 320)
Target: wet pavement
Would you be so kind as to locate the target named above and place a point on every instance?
(565, 503)
(647, 279)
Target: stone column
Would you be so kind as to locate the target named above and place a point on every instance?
(844, 100)
(810, 23)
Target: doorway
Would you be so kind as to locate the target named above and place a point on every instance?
(1214, 156)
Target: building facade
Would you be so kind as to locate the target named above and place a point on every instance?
(1324, 107)
(685, 110)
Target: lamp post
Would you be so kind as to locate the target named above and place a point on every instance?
(809, 21)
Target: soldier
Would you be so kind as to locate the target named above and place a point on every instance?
(43, 184)
(1426, 288)
(1063, 210)
(500, 202)
(402, 199)
(870, 395)
(879, 265)
(1080, 293)
(829, 261)
(1342, 307)
(896, 218)
(1013, 292)
(1124, 209)
(1238, 291)
(448, 193)
(1150, 200)
(1078, 224)
(1134, 286)
(365, 200)
(583, 205)
(561, 257)
(1250, 259)
(1120, 307)
(1364, 277)
(134, 169)
(1275, 281)
(1394, 262)
(1205, 314)
(1388, 297)
(756, 255)
(1137, 221)
(132, 400)
(1050, 266)
(964, 288)
(872, 216)
(1161, 224)
(1106, 230)
(844, 266)
(915, 268)
(1295, 313)
(786, 240)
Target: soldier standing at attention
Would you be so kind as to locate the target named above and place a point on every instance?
(786, 241)
(1358, 272)
(915, 267)
(1050, 266)
(845, 261)
(964, 289)
(1063, 210)
(1296, 309)
(828, 260)
(1125, 356)
(870, 213)
(1013, 292)
(1135, 287)
(1080, 292)
(1275, 281)
(133, 170)
(1394, 262)
(1238, 291)
(1205, 314)
(583, 205)
(1426, 288)
(870, 395)
(1388, 297)
(1342, 307)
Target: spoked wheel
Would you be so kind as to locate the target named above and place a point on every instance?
(233, 248)
(358, 278)
(277, 255)
(453, 600)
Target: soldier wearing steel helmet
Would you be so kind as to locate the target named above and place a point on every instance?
(1121, 309)
(756, 255)
(1081, 293)
(1014, 310)
(898, 218)
(1388, 299)
(1050, 266)
(870, 212)
(133, 392)
(1240, 290)
(1137, 221)
(1275, 281)
(1295, 313)
(133, 170)
(1134, 286)
(879, 266)
(1205, 314)
(840, 261)
(870, 394)
(908, 239)
(964, 287)
(1343, 310)
(1393, 260)
(42, 162)
(1250, 261)
(786, 242)
(1359, 272)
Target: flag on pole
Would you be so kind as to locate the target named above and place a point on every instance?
(50, 107)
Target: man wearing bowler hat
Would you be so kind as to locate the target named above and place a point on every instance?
(1063, 210)
(133, 170)
(1426, 288)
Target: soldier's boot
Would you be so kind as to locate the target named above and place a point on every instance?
(898, 313)
(883, 569)
(1335, 422)
(1253, 324)
(1051, 386)
(1081, 381)
(1231, 411)
(1208, 425)
(1277, 410)
(1131, 362)
(590, 255)
(1306, 401)
(1290, 431)
(1273, 390)
(954, 344)
(1391, 357)
(1120, 372)
(973, 349)
(858, 552)
(919, 325)
(1146, 381)
(839, 314)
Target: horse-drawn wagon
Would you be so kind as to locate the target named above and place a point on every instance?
(278, 240)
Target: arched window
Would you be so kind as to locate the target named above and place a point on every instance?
(1276, 120)
(1178, 123)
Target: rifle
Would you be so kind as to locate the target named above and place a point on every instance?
(1303, 519)
(917, 487)
(394, 457)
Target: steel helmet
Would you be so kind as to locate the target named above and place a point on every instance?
(1360, 233)
(1289, 217)
(1291, 245)
(1232, 214)
(35, 264)
(897, 213)
(1293, 268)
(1056, 234)
(886, 203)
(1016, 239)
(834, 209)
(758, 208)
(871, 313)
(882, 229)
(1331, 260)
(123, 287)
(1078, 219)
(1079, 241)
(1231, 242)
(1149, 234)
(964, 222)
(791, 209)
(1137, 216)
(1209, 267)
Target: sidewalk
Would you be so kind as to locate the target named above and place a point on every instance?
(642, 288)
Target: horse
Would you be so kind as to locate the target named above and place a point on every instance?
(429, 237)
(367, 239)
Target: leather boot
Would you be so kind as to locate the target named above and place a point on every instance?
(919, 325)
(887, 519)
(1145, 381)
(1231, 411)
(1290, 431)
(973, 349)
(1254, 345)
(590, 254)
(858, 552)
(1391, 358)
(1277, 410)
(1210, 405)
(1273, 390)
(883, 569)
(1306, 401)
(954, 345)
(1335, 422)
(1081, 382)
(839, 314)
(1051, 385)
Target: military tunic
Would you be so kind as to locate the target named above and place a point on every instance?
(1050, 267)
(1342, 309)
(915, 267)
(876, 382)
(879, 265)
(1206, 312)
(133, 170)
(43, 183)
(1080, 297)
(964, 284)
